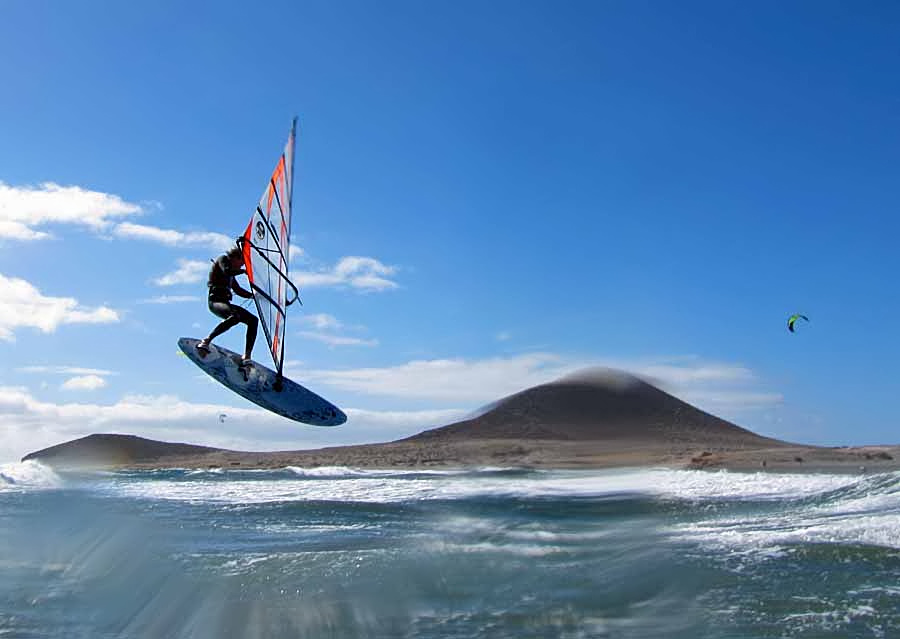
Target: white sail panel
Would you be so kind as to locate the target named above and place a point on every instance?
(266, 249)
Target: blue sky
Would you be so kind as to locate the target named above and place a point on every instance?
(487, 196)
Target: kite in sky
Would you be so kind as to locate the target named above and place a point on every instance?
(793, 319)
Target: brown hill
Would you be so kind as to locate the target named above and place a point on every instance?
(596, 419)
(119, 450)
(595, 405)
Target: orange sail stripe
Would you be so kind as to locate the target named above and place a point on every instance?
(277, 178)
(248, 262)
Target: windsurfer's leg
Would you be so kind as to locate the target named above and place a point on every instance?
(234, 315)
(248, 318)
(222, 327)
(251, 337)
(224, 310)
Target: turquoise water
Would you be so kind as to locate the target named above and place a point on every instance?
(338, 552)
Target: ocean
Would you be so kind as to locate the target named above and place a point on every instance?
(339, 552)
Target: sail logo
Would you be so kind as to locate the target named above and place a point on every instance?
(260, 230)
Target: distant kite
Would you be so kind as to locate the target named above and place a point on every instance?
(793, 319)
(222, 417)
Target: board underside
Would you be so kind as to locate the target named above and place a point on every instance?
(292, 401)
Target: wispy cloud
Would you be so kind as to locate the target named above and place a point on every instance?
(23, 209)
(327, 327)
(688, 372)
(322, 321)
(723, 400)
(28, 423)
(170, 299)
(720, 386)
(24, 306)
(12, 230)
(187, 272)
(361, 273)
(64, 370)
(401, 423)
(83, 383)
(338, 340)
(169, 237)
(455, 379)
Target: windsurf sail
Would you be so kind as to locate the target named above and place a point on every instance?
(266, 248)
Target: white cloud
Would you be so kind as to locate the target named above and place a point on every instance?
(203, 239)
(65, 370)
(307, 279)
(23, 208)
(365, 272)
(687, 373)
(84, 383)
(23, 305)
(28, 424)
(710, 385)
(450, 379)
(503, 336)
(326, 331)
(387, 425)
(721, 401)
(188, 272)
(170, 299)
(322, 321)
(18, 231)
(338, 340)
(362, 273)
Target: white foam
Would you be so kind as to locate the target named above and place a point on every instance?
(804, 507)
(205, 471)
(868, 514)
(391, 486)
(347, 471)
(330, 471)
(698, 484)
(27, 475)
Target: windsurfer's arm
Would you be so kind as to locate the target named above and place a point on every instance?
(240, 290)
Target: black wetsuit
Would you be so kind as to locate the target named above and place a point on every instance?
(221, 282)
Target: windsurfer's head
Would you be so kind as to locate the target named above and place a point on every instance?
(235, 256)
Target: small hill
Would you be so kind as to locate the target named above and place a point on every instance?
(120, 450)
(599, 404)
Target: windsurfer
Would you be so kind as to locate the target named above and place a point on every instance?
(221, 283)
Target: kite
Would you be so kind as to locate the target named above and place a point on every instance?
(793, 320)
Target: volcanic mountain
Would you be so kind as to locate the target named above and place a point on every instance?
(597, 418)
(597, 404)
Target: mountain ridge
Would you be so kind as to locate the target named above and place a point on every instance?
(598, 418)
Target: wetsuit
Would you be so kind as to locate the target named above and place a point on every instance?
(221, 282)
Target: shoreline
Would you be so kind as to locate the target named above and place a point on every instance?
(600, 418)
(523, 454)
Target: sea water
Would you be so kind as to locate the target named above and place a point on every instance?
(340, 552)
